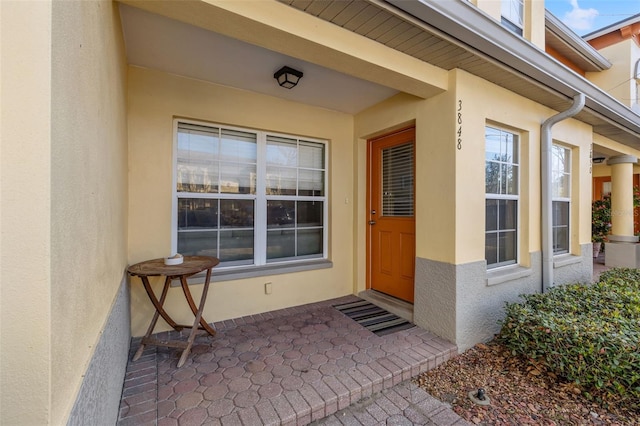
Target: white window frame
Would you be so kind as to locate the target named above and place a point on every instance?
(260, 198)
(567, 199)
(491, 196)
(509, 12)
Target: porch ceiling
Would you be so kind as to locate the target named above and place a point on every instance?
(157, 42)
(434, 42)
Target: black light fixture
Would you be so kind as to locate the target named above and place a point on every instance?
(288, 77)
(598, 160)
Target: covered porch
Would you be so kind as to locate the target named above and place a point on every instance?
(616, 179)
(290, 366)
(303, 364)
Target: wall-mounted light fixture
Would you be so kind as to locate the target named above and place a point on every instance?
(288, 77)
(598, 160)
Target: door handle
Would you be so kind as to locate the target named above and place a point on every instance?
(372, 222)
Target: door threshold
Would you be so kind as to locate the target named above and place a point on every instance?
(395, 306)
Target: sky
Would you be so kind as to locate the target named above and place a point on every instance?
(586, 16)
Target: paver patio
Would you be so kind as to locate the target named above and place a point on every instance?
(293, 366)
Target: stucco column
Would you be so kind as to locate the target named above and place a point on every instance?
(621, 250)
(622, 198)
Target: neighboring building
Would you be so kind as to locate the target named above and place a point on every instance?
(620, 44)
(406, 161)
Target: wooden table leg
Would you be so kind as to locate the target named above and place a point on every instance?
(159, 311)
(198, 313)
(159, 304)
(187, 294)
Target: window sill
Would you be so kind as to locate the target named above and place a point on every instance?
(565, 260)
(509, 273)
(259, 271)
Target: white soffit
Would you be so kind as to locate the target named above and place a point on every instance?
(160, 43)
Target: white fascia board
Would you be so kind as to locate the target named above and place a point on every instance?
(463, 24)
(613, 27)
(576, 42)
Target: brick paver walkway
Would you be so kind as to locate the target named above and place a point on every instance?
(294, 366)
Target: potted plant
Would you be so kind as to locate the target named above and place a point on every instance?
(600, 223)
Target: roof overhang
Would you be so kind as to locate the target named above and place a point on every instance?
(613, 27)
(461, 23)
(572, 46)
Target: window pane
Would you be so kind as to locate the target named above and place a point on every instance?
(197, 179)
(282, 151)
(510, 26)
(397, 180)
(561, 239)
(194, 145)
(311, 183)
(309, 213)
(236, 213)
(564, 186)
(281, 214)
(281, 181)
(508, 214)
(492, 139)
(196, 213)
(311, 155)
(237, 178)
(492, 177)
(507, 147)
(509, 179)
(281, 244)
(198, 243)
(560, 213)
(309, 242)
(491, 215)
(491, 248)
(197, 161)
(238, 146)
(507, 248)
(216, 160)
(236, 245)
(561, 171)
(512, 10)
(514, 180)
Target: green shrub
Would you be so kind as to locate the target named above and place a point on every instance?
(587, 334)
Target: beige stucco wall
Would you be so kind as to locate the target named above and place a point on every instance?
(512, 112)
(611, 148)
(533, 26)
(63, 197)
(155, 99)
(88, 187)
(617, 81)
(452, 180)
(25, 249)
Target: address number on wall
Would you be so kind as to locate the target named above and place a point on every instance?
(459, 131)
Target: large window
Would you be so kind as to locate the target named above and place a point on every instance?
(502, 190)
(512, 15)
(249, 197)
(561, 197)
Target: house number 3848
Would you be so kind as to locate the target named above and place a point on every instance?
(459, 131)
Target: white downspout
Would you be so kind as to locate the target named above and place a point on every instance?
(636, 77)
(545, 183)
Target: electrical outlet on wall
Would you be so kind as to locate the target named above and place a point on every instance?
(267, 288)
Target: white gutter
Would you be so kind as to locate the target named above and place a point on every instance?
(577, 43)
(545, 183)
(464, 25)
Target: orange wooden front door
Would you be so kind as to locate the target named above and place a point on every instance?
(391, 224)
